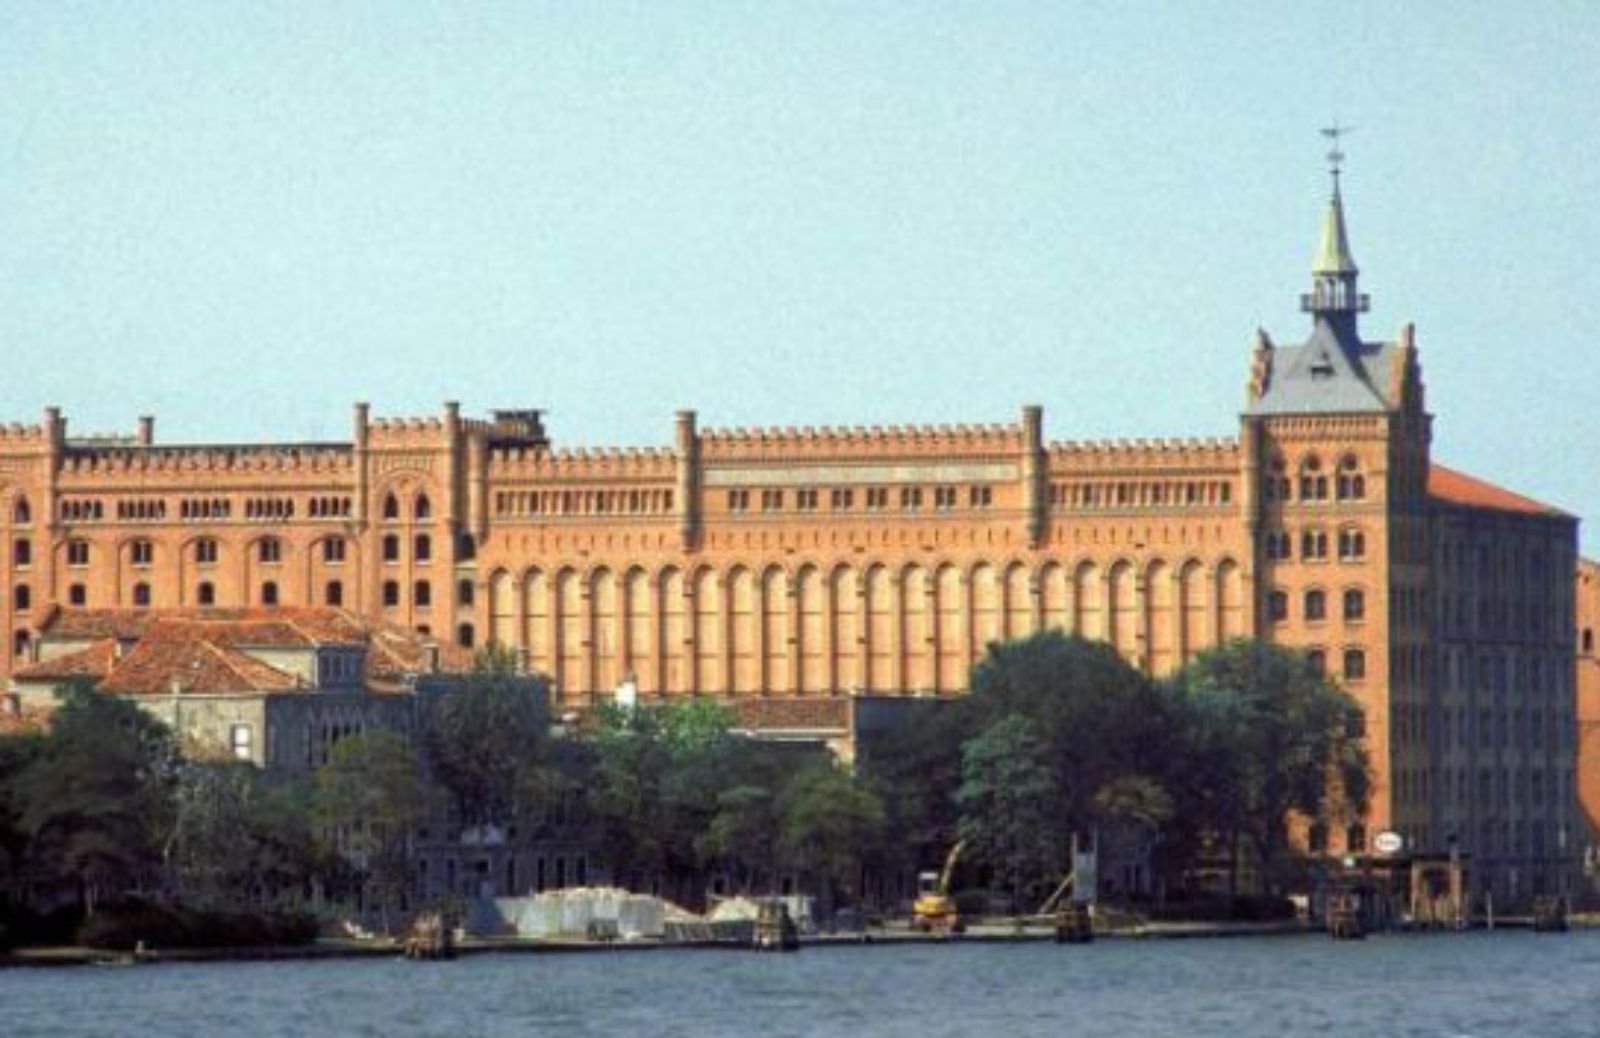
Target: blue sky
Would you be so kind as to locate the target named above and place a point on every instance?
(244, 217)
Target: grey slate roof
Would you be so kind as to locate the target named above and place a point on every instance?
(1330, 373)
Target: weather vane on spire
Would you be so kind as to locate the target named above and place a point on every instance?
(1335, 155)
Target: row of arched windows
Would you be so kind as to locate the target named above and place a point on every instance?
(1314, 605)
(1312, 482)
(421, 507)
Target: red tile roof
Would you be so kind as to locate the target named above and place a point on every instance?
(196, 658)
(95, 661)
(810, 713)
(1458, 488)
(207, 650)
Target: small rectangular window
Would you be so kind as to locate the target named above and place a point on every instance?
(240, 740)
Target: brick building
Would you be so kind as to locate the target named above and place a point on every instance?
(824, 562)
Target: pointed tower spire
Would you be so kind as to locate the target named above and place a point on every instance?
(1334, 295)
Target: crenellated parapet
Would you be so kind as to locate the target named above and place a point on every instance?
(1070, 457)
(580, 463)
(865, 442)
(300, 459)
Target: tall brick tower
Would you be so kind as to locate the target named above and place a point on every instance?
(1335, 438)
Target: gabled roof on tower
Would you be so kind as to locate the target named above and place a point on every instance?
(1326, 374)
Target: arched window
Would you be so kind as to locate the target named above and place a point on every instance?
(21, 598)
(206, 594)
(142, 553)
(269, 593)
(1355, 604)
(391, 593)
(141, 594)
(20, 512)
(1355, 664)
(391, 548)
(422, 593)
(1318, 660)
(1278, 606)
(423, 509)
(422, 547)
(467, 547)
(464, 592)
(270, 549)
(1316, 607)
(77, 595)
(464, 636)
(77, 553)
(205, 551)
(391, 507)
(333, 594)
(1352, 544)
(333, 550)
(1350, 485)
(22, 552)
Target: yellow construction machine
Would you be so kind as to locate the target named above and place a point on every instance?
(934, 909)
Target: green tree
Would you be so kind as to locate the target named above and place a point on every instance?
(1005, 795)
(483, 736)
(370, 794)
(1269, 734)
(96, 801)
(829, 823)
(743, 834)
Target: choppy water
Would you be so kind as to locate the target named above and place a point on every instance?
(1506, 983)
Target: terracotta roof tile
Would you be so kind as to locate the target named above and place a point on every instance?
(191, 656)
(95, 661)
(810, 713)
(1458, 488)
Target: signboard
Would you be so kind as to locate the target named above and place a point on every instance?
(1388, 842)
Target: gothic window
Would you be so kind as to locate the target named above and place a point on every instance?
(269, 593)
(269, 549)
(1355, 664)
(205, 551)
(141, 594)
(77, 553)
(1352, 545)
(77, 595)
(1278, 545)
(1316, 606)
(391, 507)
(22, 552)
(422, 547)
(464, 592)
(1350, 485)
(391, 548)
(467, 547)
(333, 594)
(20, 512)
(1278, 606)
(464, 636)
(1355, 604)
(142, 553)
(1313, 544)
(333, 550)
(206, 593)
(423, 509)
(391, 593)
(422, 594)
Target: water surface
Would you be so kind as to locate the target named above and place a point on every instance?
(1507, 983)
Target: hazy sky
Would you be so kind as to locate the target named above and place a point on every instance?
(244, 217)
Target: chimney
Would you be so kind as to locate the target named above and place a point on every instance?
(146, 436)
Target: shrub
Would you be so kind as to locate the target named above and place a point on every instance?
(122, 927)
